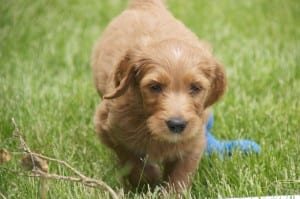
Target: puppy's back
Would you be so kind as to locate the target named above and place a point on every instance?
(145, 3)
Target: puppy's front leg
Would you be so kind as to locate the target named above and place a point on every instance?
(140, 172)
(178, 173)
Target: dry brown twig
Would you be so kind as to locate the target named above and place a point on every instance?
(37, 164)
(5, 155)
(2, 196)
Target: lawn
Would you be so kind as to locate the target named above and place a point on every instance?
(46, 86)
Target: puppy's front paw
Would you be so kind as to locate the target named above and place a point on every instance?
(145, 174)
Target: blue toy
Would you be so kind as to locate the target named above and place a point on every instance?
(227, 147)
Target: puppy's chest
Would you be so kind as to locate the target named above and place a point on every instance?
(161, 151)
(142, 144)
(133, 133)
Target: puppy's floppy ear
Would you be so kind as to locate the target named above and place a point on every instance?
(123, 75)
(217, 77)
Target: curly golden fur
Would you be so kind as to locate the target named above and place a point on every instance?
(158, 81)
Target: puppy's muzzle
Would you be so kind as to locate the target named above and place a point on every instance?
(176, 125)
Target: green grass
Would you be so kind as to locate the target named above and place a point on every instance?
(46, 85)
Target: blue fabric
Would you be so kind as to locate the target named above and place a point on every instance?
(226, 148)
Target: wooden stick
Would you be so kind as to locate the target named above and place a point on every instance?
(39, 173)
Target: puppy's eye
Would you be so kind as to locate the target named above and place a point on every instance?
(194, 89)
(156, 88)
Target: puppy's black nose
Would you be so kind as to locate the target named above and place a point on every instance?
(176, 125)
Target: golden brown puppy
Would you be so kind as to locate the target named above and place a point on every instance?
(158, 81)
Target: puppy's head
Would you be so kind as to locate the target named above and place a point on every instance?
(176, 81)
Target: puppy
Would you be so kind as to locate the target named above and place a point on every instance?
(157, 81)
